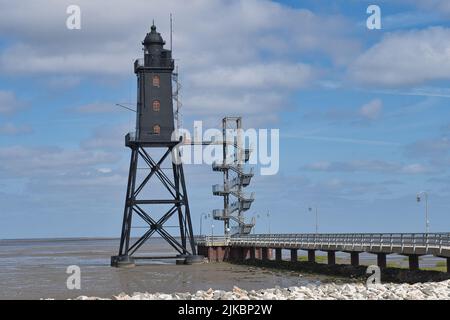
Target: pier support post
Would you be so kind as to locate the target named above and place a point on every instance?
(227, 253)
(278, 254)
(241, 253)
(265, 254)
(258, 253)
(220, 254)
(413, 262)
(331, 257)
(231, 255)
(252, 253)
(235, 253)
(294, 255)
(354, 258)
(216, 254)
(448, 262)
(247, 253)
(381, 260)
(311, 255)
(211, 254)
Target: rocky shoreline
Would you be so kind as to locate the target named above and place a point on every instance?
(358, 273)
(330, 291)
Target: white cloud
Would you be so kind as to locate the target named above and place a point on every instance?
(63, 82)
(363, 115)
(319, 166)
(409, 19)
(24, 58)
(107, 138)
(12, 129)
(104, 170)
(228, 51)
(438, 6)
(437, 148)
(207, 32)
(97, 107)
(372, 110)
(240, 103)
(367, 166)
(32, 161)
(9, 102)
(261, 76)
(94, 170)
(347, 140)
(328, 189)
(405, 58)
(415, 168)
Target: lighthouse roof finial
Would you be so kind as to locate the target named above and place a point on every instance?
(153, 37)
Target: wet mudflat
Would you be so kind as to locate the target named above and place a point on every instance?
(35, 269)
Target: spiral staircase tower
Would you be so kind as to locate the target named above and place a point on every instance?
(235, 179)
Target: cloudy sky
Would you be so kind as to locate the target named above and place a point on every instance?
(363, 114)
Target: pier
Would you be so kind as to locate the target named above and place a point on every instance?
(262, 246)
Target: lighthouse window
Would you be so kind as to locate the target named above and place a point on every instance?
(156, 81)
(156, 105)
(156, 129)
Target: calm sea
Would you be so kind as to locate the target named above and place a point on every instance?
(34, 269)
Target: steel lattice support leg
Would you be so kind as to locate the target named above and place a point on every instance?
(181, 219)
(177, 189)
(123, 259)
(187, 213)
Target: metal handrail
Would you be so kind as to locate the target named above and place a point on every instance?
(163, 62)
(212, 240)
(351, 240)
(431, 243)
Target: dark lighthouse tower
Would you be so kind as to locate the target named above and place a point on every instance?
(154, 129)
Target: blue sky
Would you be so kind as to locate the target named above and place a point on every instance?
(363, 114)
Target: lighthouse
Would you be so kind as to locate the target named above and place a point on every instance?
(155, 118)
(152, 151)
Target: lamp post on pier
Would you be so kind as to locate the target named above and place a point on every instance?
(310, 209)
(201, 221)
(427, 221)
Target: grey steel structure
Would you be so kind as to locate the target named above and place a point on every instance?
(154, 129)
(437, 244)
(412, 245)
(235, 178)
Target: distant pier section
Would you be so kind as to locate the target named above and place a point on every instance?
(261, 246)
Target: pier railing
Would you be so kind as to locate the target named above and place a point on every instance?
(413, 243)
(213, 240)
(352, 241)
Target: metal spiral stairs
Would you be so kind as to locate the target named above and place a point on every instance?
(236, 178)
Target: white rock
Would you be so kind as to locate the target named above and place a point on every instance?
(316, 291)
